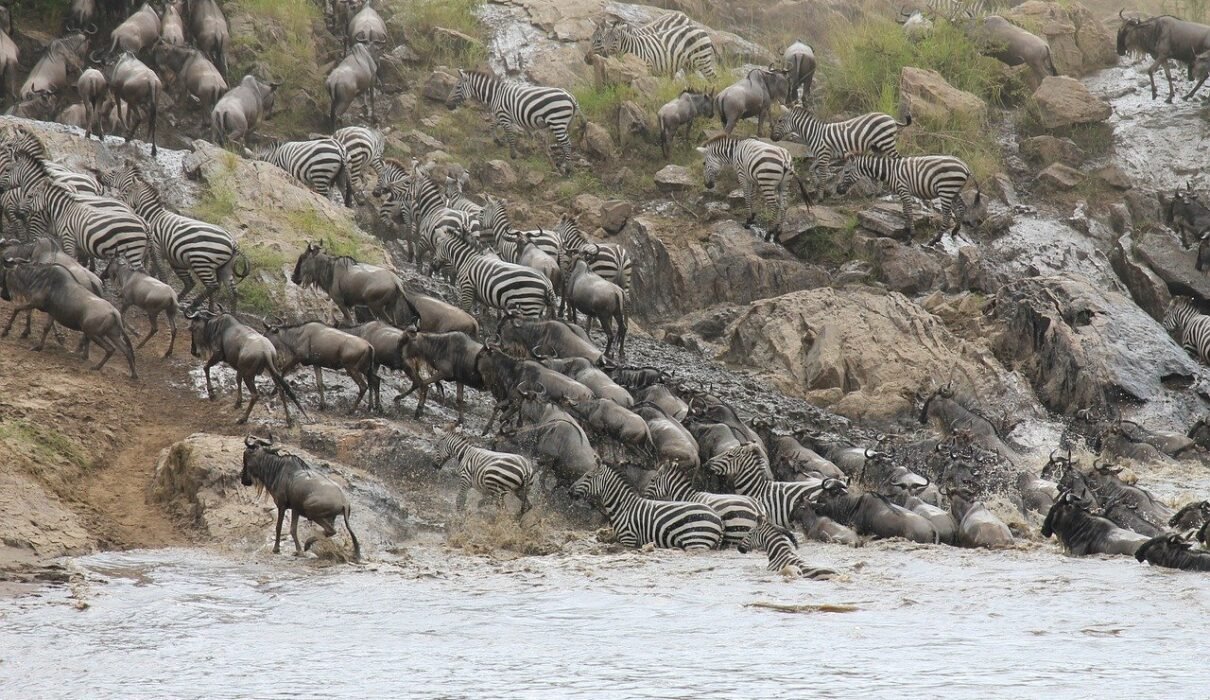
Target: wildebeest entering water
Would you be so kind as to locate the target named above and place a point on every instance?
(296, 487)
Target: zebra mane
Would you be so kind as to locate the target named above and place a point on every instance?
(717, 138)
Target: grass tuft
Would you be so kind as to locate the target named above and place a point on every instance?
(42, 445)
(418, 19)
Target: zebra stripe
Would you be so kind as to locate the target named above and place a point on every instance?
(762, 170)
(957, 9)
(426, 216)
(515, 106)
(511, 288)
(493, 474)
(639, 521)
(873, 133)
(926, 177)
(364, 149)
(738, 513)
(1190, 327)
(666, 45)
(318, 164)
(25, 171)
(455, 199)
(780, 545)
(611, 261)
(747, 470)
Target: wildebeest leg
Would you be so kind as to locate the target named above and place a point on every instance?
(294, 531)
(106, 345)
(122, 313)
(45, 330)
(1151, 76)
(1171, 90)
(206, 370)
(362, 387)
(319, 384)
(28, 311)
(281, 515)
(155, 328)
(458, 402)
(607, 326)
(356, 544)
(328, 528)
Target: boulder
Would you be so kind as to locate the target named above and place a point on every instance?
(1064, 102)
(633, 120)
(879, 349)
(597, 142)
(617, 70)
(456, 40)
(925, 93)
(675, 178)
(197, 480)
(588, 208)
(908, 269)
(1161, 249)
(1112, 176)
(807, 232)
(681, 266)
(438, 86)
(614, 215)
(1045, 150)
(1146, 287)
(1083, 345)
(1079, 42)
(647, 88)
(1061, 177)
(497, 175)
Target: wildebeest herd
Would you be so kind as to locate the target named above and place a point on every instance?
(669, 462)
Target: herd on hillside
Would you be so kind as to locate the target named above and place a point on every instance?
(669, 462)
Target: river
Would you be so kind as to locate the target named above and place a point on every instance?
(434, 624)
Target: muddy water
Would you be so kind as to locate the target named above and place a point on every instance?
(926, 620)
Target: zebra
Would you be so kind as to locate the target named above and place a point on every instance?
(513, 289)
(738, 513)
(779, 543)
(639, 521)
(493, 474)
(957, 9)
(927, 177)
(425, 216)
(190, 247)
(608, 260)
(318, 164)
(86, 226)
(32, 147)
(1190, 327)
(666, 45)
(515, 107)
(873, 133)
(364, 147)
(497, 230)
(455, 199)
(747, 470)
(393, 181)
(760, 167)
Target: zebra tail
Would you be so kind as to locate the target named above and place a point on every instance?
(907, 121)
(802, 189)
(240, 276)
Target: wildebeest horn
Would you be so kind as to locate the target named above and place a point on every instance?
(1121, 14)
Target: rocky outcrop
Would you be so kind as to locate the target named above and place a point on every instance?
(1148, 289)
(1061, 177)
(1065, 102)
(1084, 346)
(864, 354)
(1045, 150)
(197, 481)
(925, 93)
(675, 178)
(680, 268)
(1079, 42)
(1162, 251)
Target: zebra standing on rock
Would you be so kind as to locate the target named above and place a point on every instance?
(779, 544)
(747, 470)
(319, 164)
(493, 474)
(761, 168)
(364, 148)
(516, 107)
(513, 289)
(874, 133)
(738, 513)
(608, 260)
(639, 521)
(669, 44)
(1189, 326)
(927, 177)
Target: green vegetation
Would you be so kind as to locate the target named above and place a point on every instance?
(1192, 10)
(40, 444)
(45, 15)
(285, 45)
(217, 203)
(419, 18)
(827, 246)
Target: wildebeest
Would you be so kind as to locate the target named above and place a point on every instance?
(195, 74)
(1172, 551)
(661, 396)
(1163, 38)
(681, 111)
(237, 113)
(172, 27)
(1192, 518)
(50, 72)
(1037, 494)
(1083, 533)
(916, 27)
(137, 32)
(799, 62)
(132, 82)
(753, 96)
(1199, 72)
(366, 27)
(348, 282)
(9, 57)
(550, 435)
(350, 78)
(73, 115)
(209, 29)
(547, 336)
(50, 288)
(1012, 45)
(1139, 510)
(529, 254)
(449, 356)
(296, 487)
(871, 514)
(92, 88)
(597, 298)
(1185, 213)
(673, 443)
(39, 106)
(137, 288)
(317, 345)
(80, 16)
(590, 376)
(222, 338)
(943, 410)
(977, 525)
(502, 374)
(789, 459)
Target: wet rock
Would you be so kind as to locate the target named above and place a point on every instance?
(597, 142)
(681, 266)
(925, 93)
(418, 138)
(497, 175)
(197, 480)
(1079, 42)
(675, 178)
(1045, 150)
(400, 106)
(886, 219)
(879, 349)
(1162, 251)
(1147, 288)
(438, 86)
(614, 215)
(1144, 207)
(1113, 176)
(1065, 102)
(972, 272)
(617, 70)
(1001, 187)
(1082, 345)
(905, 268)
(1061, 177)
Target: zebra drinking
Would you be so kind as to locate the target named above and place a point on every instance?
(761, 168)
(493, 474)
(639, 521)
(516, 107)
(874, 133)
(927, 177)
(667, 45)
(738, 513)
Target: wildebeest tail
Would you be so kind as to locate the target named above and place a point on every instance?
(802, 189)
(356, 545)
(284, 387)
